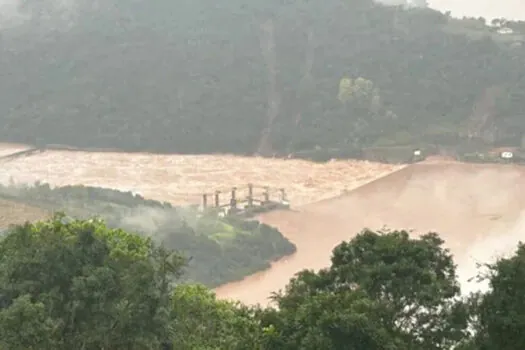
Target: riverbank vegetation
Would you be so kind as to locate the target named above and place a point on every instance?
(221, 249)
(264, 76)
(67, 284)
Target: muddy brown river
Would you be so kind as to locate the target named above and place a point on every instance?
(476, 208)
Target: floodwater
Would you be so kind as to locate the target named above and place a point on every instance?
(476, 208)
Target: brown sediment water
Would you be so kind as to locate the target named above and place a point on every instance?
(181, 179)
(477, 209)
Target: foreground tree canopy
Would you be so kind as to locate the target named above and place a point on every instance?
(185, 76)
(77, 284)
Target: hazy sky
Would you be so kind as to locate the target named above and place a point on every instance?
(510, 9)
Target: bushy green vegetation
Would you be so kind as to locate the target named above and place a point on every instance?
(191, 77)
(80, 285)
(221, 249)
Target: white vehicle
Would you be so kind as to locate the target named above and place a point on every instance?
(507, 155)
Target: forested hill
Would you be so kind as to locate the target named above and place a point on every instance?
(246, 76)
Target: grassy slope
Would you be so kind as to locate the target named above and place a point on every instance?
(13, 213)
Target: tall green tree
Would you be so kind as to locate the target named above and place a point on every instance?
(75, 284)
(501, 311)
(201, 322)
(348, 320)
(412, 280)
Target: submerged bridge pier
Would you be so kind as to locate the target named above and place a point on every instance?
(246, 201)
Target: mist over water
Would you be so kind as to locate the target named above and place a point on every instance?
(501, 243)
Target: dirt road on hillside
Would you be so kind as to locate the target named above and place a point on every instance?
(476, 208)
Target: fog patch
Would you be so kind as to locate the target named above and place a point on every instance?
(501, 243)
(404, 3)
(58, 15)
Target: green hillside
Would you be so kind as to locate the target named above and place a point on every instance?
(221, 250)
(192, 77)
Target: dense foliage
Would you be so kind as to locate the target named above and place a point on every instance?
(501, 319)
(78, 284)
(221, 249)
(267, 75)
